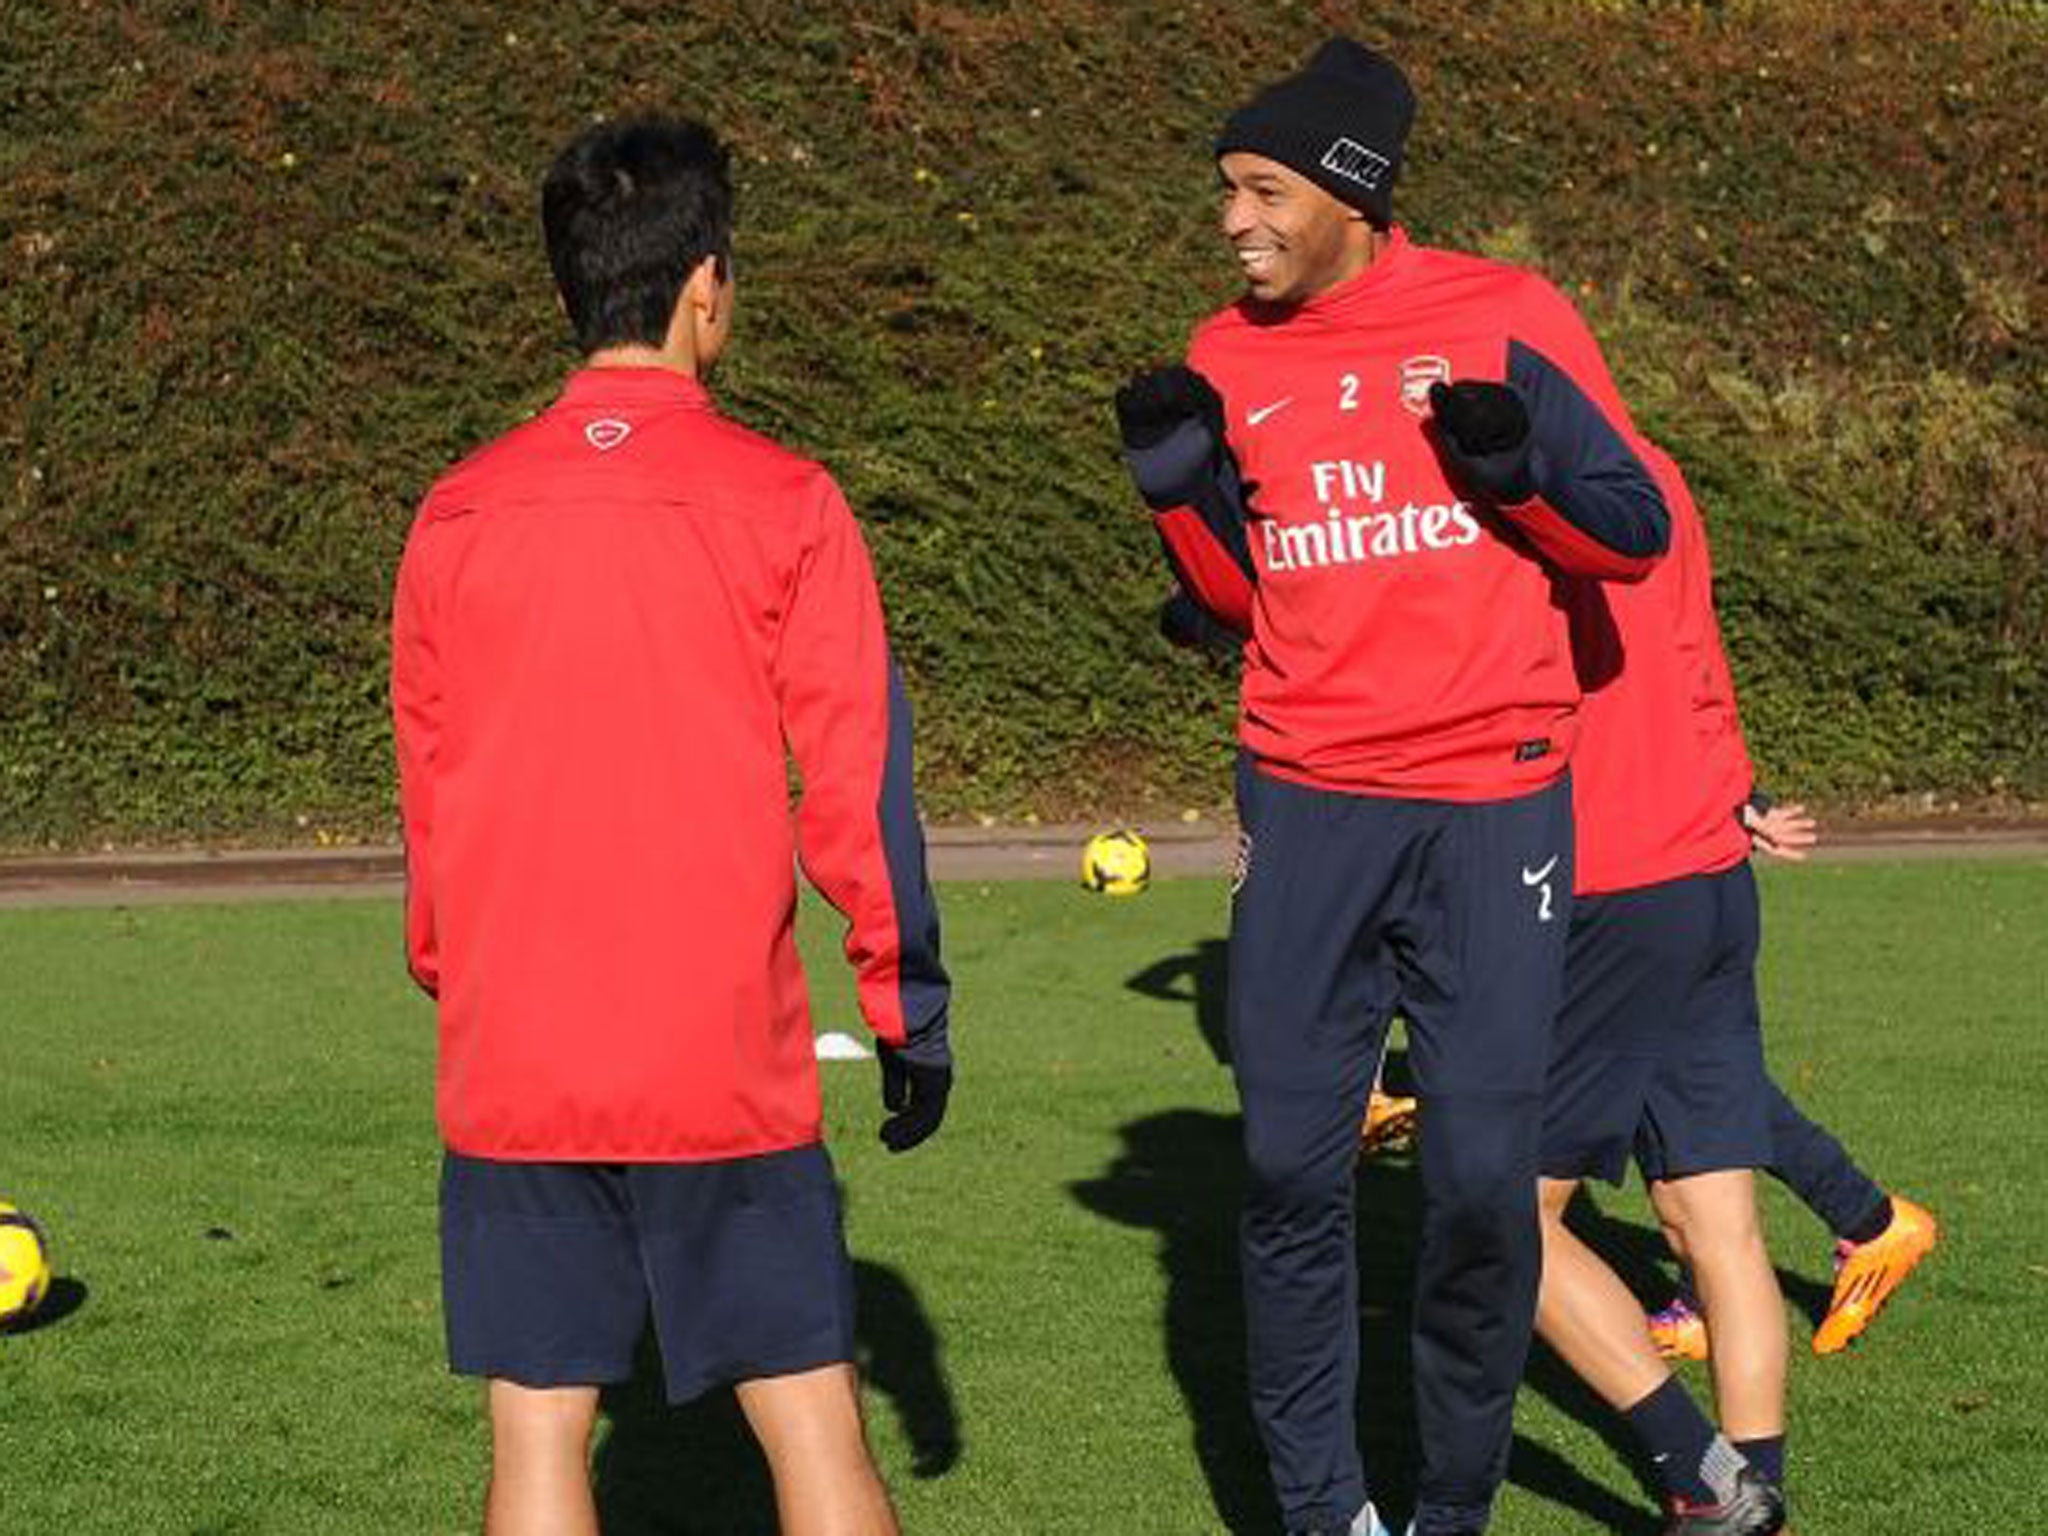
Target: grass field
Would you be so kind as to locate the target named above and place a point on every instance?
(223, 1116)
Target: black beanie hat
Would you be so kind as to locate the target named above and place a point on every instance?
(1341, 123)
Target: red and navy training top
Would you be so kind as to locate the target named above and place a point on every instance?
(607, 626)
(1405, 638)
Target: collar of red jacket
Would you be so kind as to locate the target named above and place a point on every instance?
(633, 386)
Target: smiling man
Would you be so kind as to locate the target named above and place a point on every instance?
(1375, 466)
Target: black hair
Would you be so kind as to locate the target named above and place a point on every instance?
(629, 210)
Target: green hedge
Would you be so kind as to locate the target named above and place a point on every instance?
(272, 266)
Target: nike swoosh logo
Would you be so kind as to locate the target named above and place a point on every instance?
(1253, 418)
(1538, 876)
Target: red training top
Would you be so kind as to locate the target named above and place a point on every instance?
(1661, 767)
(1404, 639)
(607, 623)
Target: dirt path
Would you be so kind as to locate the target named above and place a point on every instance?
(957, 853)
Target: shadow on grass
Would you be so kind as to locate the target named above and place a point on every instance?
(1810, 1296)
(64, 1297)
(1181, 1174)
(1201, 979)
(696, 1470)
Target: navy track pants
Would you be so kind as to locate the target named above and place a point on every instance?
(1346, 909)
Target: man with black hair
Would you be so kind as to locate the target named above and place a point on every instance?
(1376, 466)
(607, 625)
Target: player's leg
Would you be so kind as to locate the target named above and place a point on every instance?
(1617, 1005)
(1706, 1126)
(752, 1285)
(1593, 1322)
(540, 1461)
(1587, 1315)
(1481, 950)
(1308, 1012)
(810, 1429)
(1879, 1238)
(1816, 1168)
(544, 1298)
(1623, 983)
(1711, 1220)
(1628, 961)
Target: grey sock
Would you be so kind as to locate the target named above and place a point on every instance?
(1719, 1468)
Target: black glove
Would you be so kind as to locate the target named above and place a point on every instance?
(1152, 404)
(1484, 428)
(1171, 422)
(915, 1094)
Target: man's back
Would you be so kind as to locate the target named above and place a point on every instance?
(1661, 766)
(601, 620)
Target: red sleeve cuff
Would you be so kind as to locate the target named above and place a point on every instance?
(1571, 550)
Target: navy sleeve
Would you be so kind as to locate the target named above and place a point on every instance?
(1583, 469)
(1188, 468)
(921, 979)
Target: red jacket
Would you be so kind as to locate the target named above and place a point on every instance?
(607, 625)
(1406, 639)
(1661, 767)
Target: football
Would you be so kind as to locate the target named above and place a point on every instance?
(24, 1266)
(1116, 863)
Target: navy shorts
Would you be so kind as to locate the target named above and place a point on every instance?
(551, 1272)
(1659, 1045)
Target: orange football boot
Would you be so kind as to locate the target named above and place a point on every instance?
(1679, 1332)
(1867, 1273)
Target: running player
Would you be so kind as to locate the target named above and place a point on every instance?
(1659, 1046)
(607, 625)
(1408, 711)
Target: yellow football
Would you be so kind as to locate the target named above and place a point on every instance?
(24, 1266)
(1116, 863)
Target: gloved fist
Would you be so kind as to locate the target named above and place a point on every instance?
(1152, 404)
(915, 1094)
(1480, 417)
(1484, 429)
